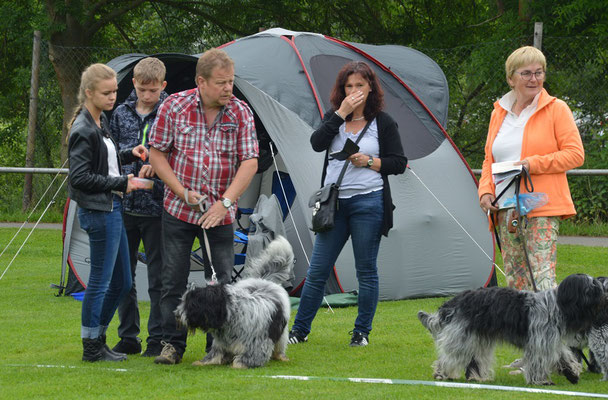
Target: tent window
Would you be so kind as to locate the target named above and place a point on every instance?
(420, 136)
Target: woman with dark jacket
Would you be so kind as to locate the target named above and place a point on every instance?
(365, 209)
(96, 185)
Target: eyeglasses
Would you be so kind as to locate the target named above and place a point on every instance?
(527, 75)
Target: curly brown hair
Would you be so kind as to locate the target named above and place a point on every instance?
(375, 99)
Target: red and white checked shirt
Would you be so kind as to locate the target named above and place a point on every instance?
(203, 160)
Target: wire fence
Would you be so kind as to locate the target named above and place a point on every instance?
(577, 71)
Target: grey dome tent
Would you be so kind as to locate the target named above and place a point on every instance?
(440, 243)
(286, 78)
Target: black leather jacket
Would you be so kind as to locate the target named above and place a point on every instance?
(89, 184)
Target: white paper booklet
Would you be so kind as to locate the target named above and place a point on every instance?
(505, 170)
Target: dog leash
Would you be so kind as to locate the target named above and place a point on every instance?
(527, 180)
(525, 176)
(202, 205)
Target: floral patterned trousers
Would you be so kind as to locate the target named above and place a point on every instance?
(540, 238)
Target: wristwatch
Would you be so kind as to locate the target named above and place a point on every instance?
(226, 202)
(370, 162)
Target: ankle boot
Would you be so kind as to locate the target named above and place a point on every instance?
(107, 348)
(109, 355)
(91, 350)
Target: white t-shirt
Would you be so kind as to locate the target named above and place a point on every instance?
(356, 180)
(112, 161)
(507, 145)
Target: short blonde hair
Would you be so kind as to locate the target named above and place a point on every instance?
(210, 59)
(524, 56)
(149, 70)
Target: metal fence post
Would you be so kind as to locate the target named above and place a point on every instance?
(31, 125)
(538, 35)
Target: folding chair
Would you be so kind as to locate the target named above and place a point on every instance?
(241, 239)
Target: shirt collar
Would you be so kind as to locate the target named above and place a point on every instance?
(508, 100)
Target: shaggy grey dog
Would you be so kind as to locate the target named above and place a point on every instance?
(596, 338)
(248, 319)
(467, 328)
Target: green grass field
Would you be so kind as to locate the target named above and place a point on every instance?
(40, 347)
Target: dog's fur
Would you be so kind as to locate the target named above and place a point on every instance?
(248, 319)
(467, 328)
(596, 338)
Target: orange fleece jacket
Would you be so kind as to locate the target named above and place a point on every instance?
(551, 144)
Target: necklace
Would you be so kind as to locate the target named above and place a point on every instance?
(358, 119)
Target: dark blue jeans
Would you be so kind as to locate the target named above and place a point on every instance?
(147, 230)
(177, 240)
(359, 217)
(110, 277)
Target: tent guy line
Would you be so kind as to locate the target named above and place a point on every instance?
(295, 226)
(34, 209)
(34, 228)
(455, 385)
(456, 220)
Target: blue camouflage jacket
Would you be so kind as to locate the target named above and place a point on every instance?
(128, 130)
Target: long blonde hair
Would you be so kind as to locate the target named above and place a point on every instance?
(91, 76)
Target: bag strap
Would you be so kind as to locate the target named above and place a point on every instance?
(339, 181)
(523, 175)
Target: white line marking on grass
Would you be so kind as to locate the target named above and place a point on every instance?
(62, 366)
(439, 384)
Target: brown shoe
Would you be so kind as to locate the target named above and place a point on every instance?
(168, 355)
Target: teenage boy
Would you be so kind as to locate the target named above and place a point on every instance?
(130, 125)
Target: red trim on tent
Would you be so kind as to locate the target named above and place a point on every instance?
(314, 92)
(226, 44)
(493, 258)
(384, 68)
(65, 214)
(299, 287)
(338, 280)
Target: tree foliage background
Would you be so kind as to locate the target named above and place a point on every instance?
(469, 39)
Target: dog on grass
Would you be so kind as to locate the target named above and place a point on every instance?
(247, 319)
(596, 339)
(467, 328)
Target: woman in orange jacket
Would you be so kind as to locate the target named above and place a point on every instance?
(531, 128)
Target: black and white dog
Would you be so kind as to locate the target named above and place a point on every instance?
(596, 338)
(467, 328)
(248, 319)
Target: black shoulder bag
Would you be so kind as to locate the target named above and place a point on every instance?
(324, 202)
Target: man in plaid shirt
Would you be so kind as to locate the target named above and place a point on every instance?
(203, 146)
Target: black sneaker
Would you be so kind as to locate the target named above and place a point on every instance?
(296, 337)
(153, 350)
(359, 339)
(128, 346)
(168, 355)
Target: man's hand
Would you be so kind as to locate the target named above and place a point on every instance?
(146, 171)
(214, 216)
(193, 198)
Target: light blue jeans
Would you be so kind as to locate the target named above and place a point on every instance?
(359, 217)
(110, 277)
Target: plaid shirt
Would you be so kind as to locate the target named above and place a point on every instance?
(204, 160)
